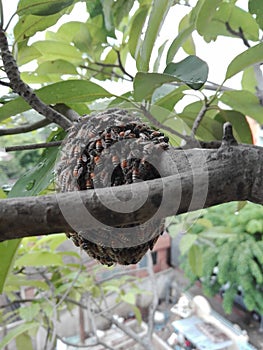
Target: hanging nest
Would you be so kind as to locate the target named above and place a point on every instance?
(112, 148)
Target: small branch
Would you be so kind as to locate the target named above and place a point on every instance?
(5, 84)
(122, 67)
(199, 118)
(25, 128)
(111, 74)
(159, 125)
(24, 90)
(239, 34)
(33, 146)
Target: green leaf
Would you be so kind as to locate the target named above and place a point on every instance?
(28, 313)
(42, 7)
(129, 298)
(137, 24)
(244, 102)
(249, 80)
(56, 67)
(256, 7)
(251, 56)
(206, 15)
(137, 314)
(157, 15)
(72, 91)
(178, 42)
(27, 54)
(38, 178)
(108, 15)
(29, 25)
(187, 242)
(94, 7)
(23, 341)
(156, 64)
(167, 96)
(54, 50)
(40, 258)
(7, 252)
(192, 71)
(239, 122)
(196, 260)
(16, 332)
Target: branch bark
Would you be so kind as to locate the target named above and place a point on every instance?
(191, 179)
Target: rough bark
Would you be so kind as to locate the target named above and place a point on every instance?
(191, 180)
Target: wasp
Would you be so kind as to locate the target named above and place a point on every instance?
(99, 146)
(77, 171)
(115, 160)
(135, 175)
(95, 179)
(89, 184)
(108, 137)
(98, 162)
(76, 151)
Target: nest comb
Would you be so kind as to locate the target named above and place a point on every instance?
(90, 159)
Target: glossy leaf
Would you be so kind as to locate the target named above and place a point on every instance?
(157, 15)
(16, 332)
(192, 71)
(239, 122)
(167, 96)
(157, 62)
(245, 59)
(42, 7)
(256, 7)
(38, 178)
(244, 102)
(72, 91)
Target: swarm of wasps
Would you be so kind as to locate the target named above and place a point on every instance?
(112, 148)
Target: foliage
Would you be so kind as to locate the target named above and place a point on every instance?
(121, 41)
(57, 280)
(224, 249)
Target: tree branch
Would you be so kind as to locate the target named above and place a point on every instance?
(33, 146)
(191, 179)
(25, 128)
(24, 90)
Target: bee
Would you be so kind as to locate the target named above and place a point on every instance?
(99, 146)
(156, 134)
(76, 151)
(89, 184)
(95, 179)
(163, 139)
(115, 160)
(98, 162)
(108, 137)
(124, 165)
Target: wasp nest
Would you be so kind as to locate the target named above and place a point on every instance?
(112, 148)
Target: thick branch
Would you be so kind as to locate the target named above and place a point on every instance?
(191, 180)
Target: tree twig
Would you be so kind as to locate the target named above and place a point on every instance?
(159, 125)
(33, 146)
(198, 119)
(25, 128)
(121, 65)
(24, 90)
(239, 33)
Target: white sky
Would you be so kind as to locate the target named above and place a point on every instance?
(217, 54)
